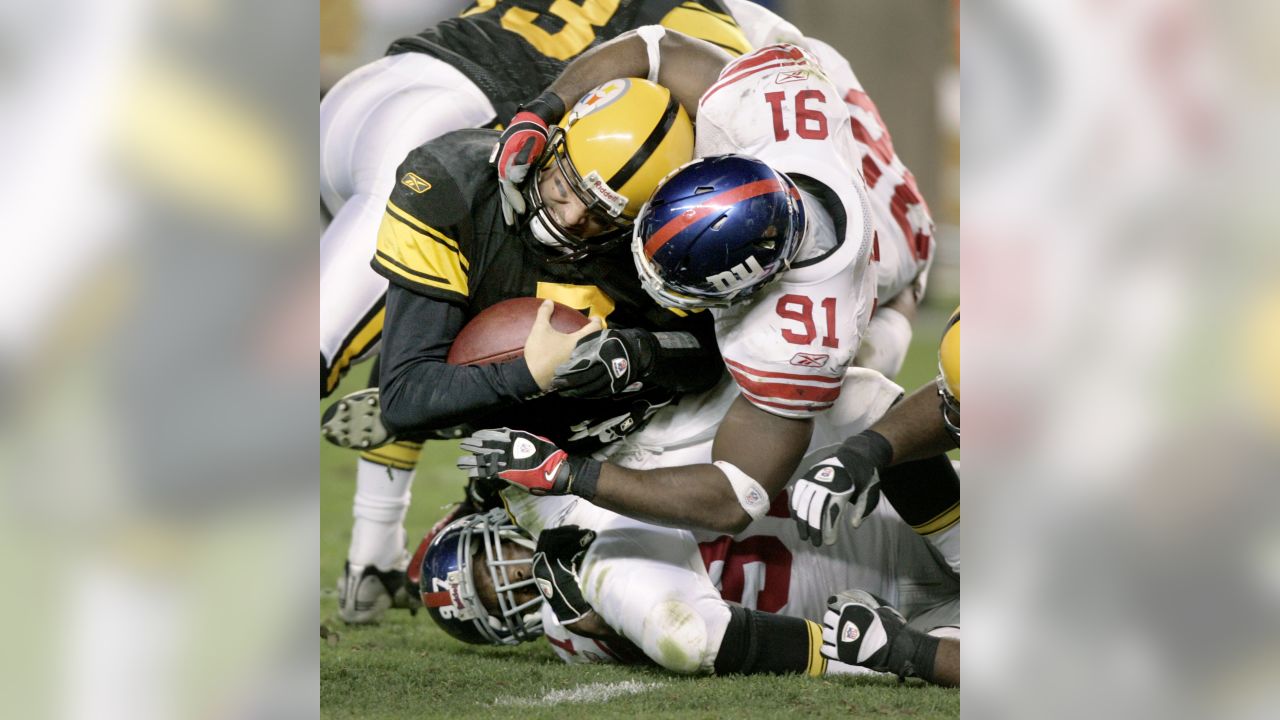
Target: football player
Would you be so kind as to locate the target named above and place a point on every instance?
(465, 72)
(901, 456)
(782, 254)
(769, 568)
(448, 254)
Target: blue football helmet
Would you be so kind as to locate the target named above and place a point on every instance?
(717, 230)
(448, 581)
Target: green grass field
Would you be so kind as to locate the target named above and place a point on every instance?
(406, 668)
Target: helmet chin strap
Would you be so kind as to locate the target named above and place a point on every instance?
(543, 234)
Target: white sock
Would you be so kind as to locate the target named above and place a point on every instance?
(382, 499)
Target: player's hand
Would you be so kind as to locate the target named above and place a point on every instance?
(523, 460)
(859, 630)
(556, 563)
(519, 147)
(546, 347)
(608, 363)
(828, 491)
(610, 429)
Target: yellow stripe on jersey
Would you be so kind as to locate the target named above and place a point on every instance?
(588, 298)
(415, 222)
(693, 19)
(941, 522)
(402, 455)
(361, 340)
(420, 254)
(817, 663)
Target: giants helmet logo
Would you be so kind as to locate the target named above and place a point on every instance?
(737, 276)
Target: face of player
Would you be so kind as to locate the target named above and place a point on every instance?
(515, 573)
(565, 206)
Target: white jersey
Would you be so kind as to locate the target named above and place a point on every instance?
(769, 568)
(788, 346)
(904, 227)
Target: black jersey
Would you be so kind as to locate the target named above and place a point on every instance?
(513, 49)
(443, 238)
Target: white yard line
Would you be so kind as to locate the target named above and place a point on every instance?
(594, 692)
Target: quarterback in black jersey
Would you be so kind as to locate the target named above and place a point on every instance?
(467, 72)
(448, 255)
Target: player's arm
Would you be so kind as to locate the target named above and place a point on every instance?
(420, 391)
(686, 65)
(753, 450)
(423, 249)
(913, 429)
(755, 453)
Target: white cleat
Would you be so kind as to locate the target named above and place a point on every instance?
(365, 593)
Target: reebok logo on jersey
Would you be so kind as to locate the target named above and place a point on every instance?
(850, 632)
(522, 449)
(789, 76)
(809, 360)
(415, 183)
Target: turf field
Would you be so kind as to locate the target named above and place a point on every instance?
(406, 668)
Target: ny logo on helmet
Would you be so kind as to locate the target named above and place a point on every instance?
(737, 276)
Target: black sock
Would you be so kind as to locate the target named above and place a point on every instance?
(758, 642)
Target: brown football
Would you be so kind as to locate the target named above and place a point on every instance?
(498, 333)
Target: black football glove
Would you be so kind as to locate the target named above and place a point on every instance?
(612, 428)
(556, 563)
(520, 146)
(848, 480)
(859, 630)
(608, 363)
(528, 461)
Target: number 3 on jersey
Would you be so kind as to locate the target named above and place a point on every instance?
(810, 122)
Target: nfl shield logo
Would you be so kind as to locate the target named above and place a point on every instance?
(850, 633)
(619, 366)
(825, 474)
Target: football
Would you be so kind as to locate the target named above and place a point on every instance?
(498, 333)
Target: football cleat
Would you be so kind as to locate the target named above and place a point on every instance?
(366, 592)
(355, 421)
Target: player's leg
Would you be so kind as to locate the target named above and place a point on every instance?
(649, 584)
(368, 123)
(373, 579)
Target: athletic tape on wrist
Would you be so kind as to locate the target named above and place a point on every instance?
(652, 35)
(751, 495)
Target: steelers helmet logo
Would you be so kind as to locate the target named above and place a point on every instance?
(601, 97)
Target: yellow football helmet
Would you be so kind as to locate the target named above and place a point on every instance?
(949, 374)
(612, 149)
